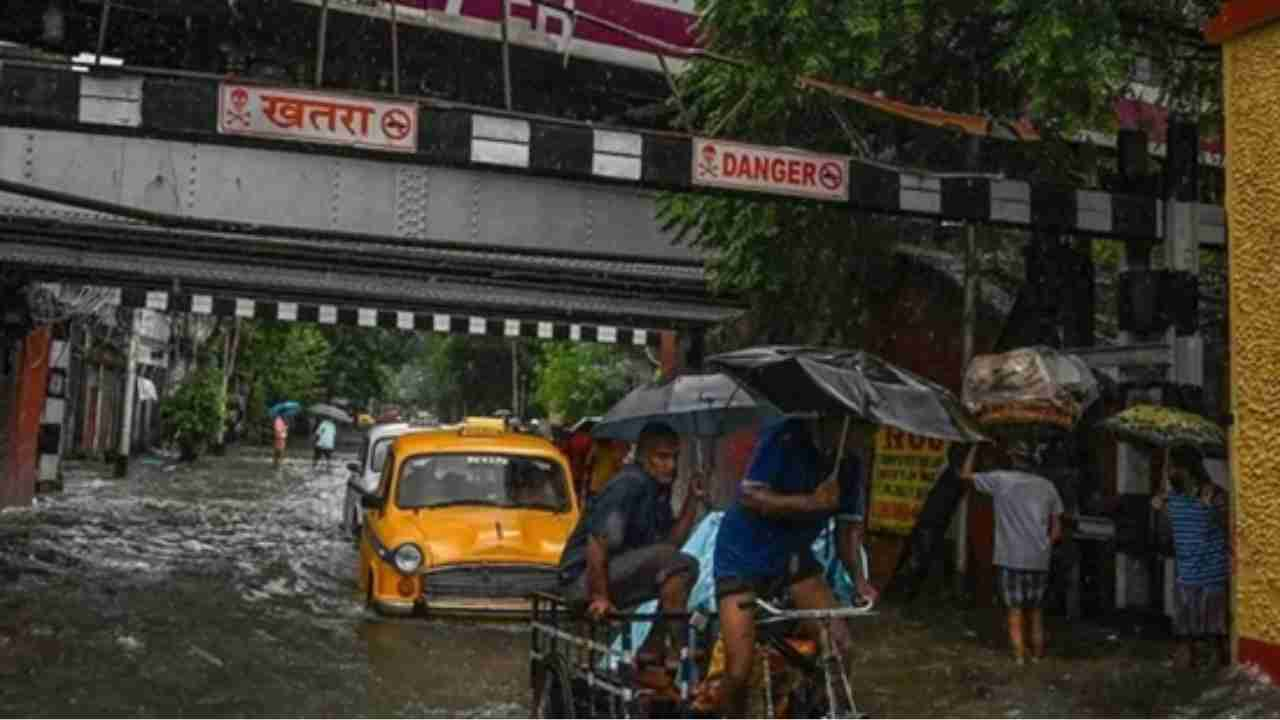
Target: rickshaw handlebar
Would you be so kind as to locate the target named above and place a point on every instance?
(775, 614)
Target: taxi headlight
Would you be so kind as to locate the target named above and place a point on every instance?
(408, 558)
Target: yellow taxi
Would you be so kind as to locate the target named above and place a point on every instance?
(466, 518)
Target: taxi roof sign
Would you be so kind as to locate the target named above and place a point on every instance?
(483, 426)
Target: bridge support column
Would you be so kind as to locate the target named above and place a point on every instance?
(682, 352)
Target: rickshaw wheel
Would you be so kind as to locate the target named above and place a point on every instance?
(554, 697)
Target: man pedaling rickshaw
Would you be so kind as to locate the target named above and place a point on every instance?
(765, 541)
(625, 549)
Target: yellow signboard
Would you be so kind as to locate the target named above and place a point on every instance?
(905, 468)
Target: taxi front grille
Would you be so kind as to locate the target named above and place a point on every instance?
(489, 581)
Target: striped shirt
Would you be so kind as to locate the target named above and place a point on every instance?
(1199, 541)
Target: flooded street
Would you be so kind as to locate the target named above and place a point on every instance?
(226, 588)
(222, 589)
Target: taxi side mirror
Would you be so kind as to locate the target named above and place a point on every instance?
(372, 502)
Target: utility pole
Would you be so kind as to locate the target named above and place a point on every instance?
(506, 55)
(321, 35)
(130, 381)
(515, 378)
(395, 50)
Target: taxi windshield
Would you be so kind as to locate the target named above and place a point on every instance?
(508, 481)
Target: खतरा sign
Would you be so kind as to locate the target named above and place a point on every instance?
(288, 114)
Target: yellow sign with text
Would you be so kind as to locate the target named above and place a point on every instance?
(905, 468)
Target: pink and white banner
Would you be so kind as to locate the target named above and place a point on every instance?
(289, 114)
(550, 28)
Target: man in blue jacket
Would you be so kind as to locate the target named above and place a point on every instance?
(766, 540)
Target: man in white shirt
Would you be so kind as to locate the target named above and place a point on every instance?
(1028, 514)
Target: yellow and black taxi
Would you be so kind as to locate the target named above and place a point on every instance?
(467, 518)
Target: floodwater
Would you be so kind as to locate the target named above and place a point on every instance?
(226, 588)
(223, 588)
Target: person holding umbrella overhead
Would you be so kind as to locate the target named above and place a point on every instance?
(766, 539)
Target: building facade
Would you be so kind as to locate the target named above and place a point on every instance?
(1249, 32)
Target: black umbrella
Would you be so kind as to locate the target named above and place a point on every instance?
(798, 379)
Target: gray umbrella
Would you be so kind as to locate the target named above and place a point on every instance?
(700, 405)
(836, 382)
(329, 411)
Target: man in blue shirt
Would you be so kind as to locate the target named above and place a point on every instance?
(766, 539)
(625, 549)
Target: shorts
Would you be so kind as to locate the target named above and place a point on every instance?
(801, 566)
(634, 576)
(1199, 610)
(326, 453)
(1021, 588)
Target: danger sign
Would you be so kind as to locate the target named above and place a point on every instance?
(770, 170)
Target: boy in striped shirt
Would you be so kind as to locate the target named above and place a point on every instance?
(1196, 512)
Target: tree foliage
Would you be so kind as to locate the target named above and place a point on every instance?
(192, 417)
(577, 380)
(363, 362)
(287, 359)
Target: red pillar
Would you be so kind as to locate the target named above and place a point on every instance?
(30, 385)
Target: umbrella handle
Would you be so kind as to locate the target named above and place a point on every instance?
(844, 434)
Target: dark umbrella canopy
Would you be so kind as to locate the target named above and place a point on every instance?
(701, 405)
(833, 382)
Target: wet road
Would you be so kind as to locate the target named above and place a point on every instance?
(226, 589)
(222, 589)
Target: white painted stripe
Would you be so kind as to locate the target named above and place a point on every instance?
(54, 410)
(202, 304)
(618, 143)
(500, 128)
(328, 314)
(440, 323)
(1011, 201)
(497, 152)
(60, 357)
(639, 337)
(244, 308)
(366, 317)
(157, 300)
(616, 166)
(287, 311)
(607, 334)
(512, 328)
(404, 320)
(1093, 211)
(918, 193)
(544, 330)
(1211, 225)
(111, 101)
(476, 326)
(575, 332)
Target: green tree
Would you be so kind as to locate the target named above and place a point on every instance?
(193, 415)
(577, 380)
(285, 360)
(363, 362)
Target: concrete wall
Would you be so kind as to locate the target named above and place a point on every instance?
(1252, 95)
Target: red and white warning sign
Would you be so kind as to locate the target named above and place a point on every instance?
(770, 170)
(315, 117)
